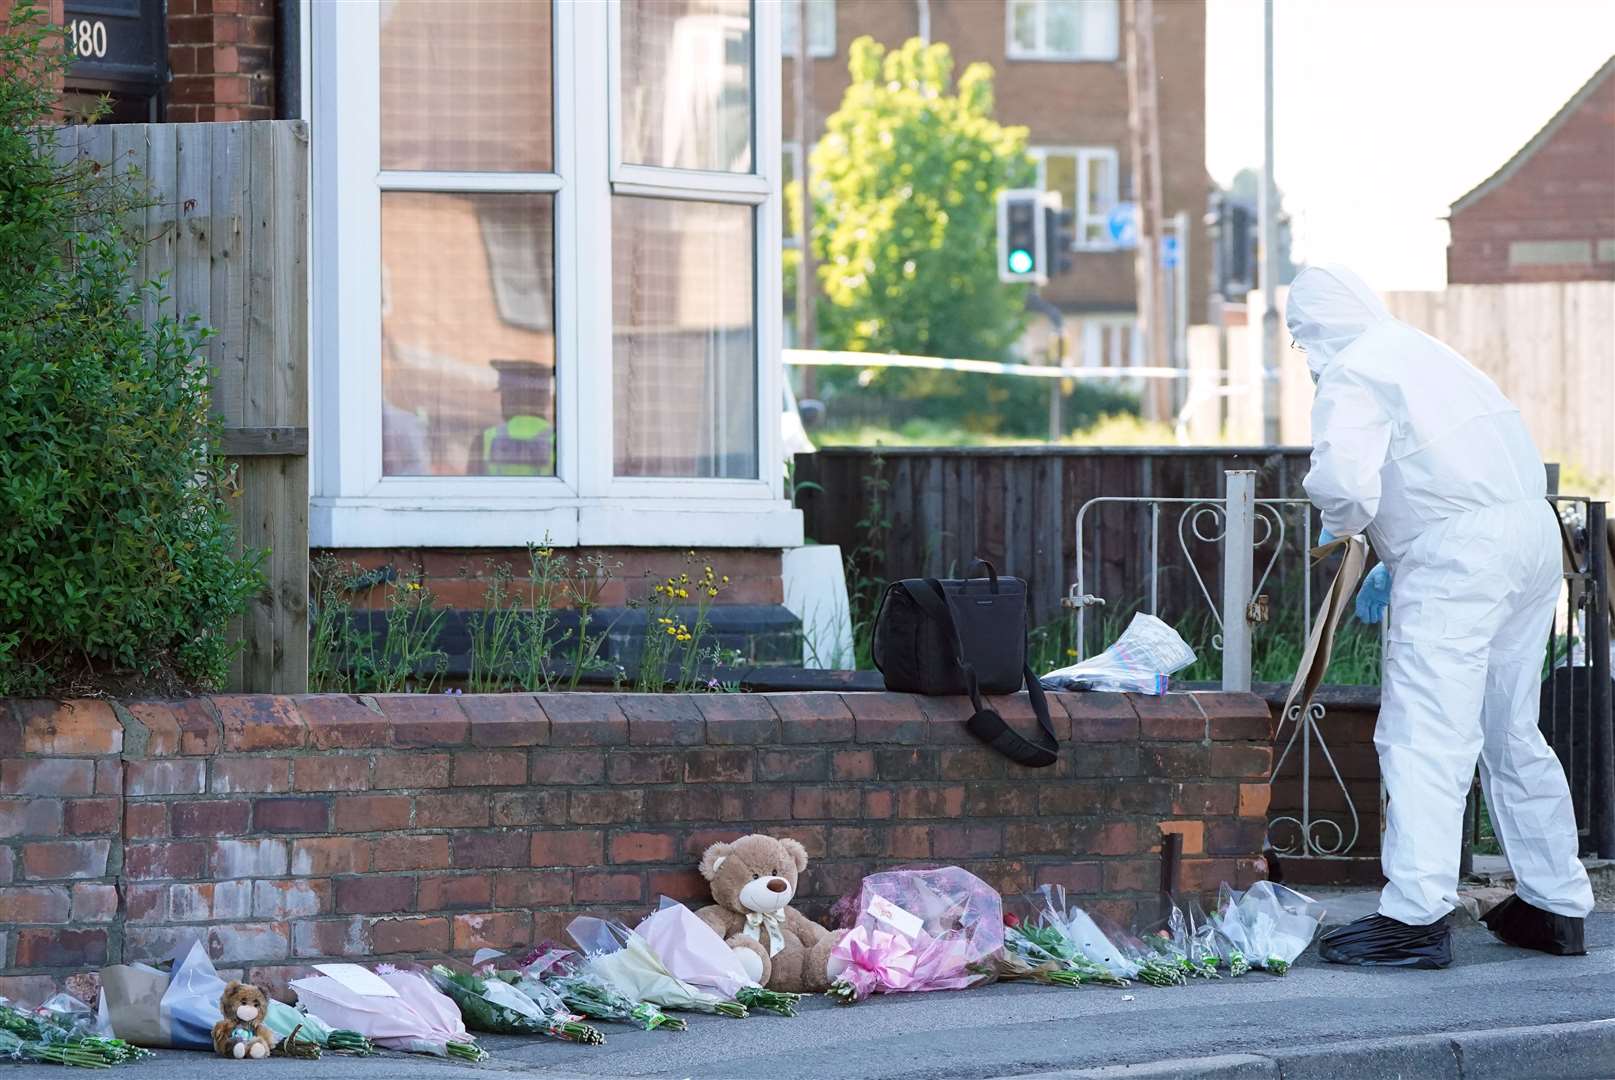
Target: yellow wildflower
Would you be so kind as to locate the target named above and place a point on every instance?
(684, 594)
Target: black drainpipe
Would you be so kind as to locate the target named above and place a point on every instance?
(288, 59)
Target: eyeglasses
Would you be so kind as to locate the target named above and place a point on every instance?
(1297, 346)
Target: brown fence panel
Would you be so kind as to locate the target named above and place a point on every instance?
(228, 224)
(1018, 506)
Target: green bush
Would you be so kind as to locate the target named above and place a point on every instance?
(118, 567)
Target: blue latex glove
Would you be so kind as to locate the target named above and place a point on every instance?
(1324, 536)
(1375, 595)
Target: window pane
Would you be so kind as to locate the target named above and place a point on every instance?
(789, 22)
(1062, 25)
(1023, 24)
(1100, 27)
(684, 339)
(687, 84)
(1060, 174)
(465, 85)
(1101, 184)
(822, 27)
(467, 334)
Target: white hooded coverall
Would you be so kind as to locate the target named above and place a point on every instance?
(1414, 446)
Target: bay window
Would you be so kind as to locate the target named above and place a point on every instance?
(542, 232)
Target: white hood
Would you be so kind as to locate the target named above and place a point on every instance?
(1330, 307)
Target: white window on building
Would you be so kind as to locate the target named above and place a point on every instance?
(1063, 29)
(821, 27)
(1086, 178)
(540, 277)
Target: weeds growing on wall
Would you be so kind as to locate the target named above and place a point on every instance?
(541, 632)
(119, 572)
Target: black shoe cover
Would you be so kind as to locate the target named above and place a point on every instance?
(1384, 942)
(1519, 923)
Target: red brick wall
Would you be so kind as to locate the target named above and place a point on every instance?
(459, 577)
(289, 830)
(222, 55)
(1564, 191)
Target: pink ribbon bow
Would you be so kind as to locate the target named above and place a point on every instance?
(873, 960)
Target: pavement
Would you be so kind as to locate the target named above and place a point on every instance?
(1497, 1012)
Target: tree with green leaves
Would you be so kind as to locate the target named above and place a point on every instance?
(906, 180)
(119, 569)
(905, 211)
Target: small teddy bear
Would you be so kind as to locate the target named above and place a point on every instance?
(242, 1034)
(753, 882)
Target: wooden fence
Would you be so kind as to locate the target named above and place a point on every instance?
(228, 225)
(1547, 346)
(1017, 506)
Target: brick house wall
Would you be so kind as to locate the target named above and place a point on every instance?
(1549, 213)
(1063, 103)
(221, 55)
(286, 831)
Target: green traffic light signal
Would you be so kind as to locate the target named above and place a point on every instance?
(1020, 261)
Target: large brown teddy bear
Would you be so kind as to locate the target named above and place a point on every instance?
(242, 1034)
(753, 882)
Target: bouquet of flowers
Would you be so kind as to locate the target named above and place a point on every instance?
(397, 1010)
(506, 1008)
(1268, 925)
(1201, 944)
(60, 1032)
(1043, 941)
(150, 1006)
(291, 1024)
(940, 929)
(624, 960)
(1169, 938)
(694, 952)
(585, 992)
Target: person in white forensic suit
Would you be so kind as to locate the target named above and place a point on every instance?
(1416, 448)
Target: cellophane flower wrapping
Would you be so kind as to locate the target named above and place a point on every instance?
(694, 952)
(504, 1007)
(61, 1030)
(420, 1020)
(624, 960)
(1271, 925)
(1044, 939)
(1167, 938)
(584, 991)
(948, 921)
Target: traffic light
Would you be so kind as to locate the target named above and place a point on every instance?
(1021, 234)
(1060, 230)
(1232, 223)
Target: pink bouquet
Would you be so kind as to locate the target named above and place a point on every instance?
(939, 929)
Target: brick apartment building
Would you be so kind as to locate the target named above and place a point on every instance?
(1060, 70)
(1549, 213)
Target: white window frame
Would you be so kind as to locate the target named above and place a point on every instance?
(818, 49)
(352, 504)
(1085, 52)
(1083, 155)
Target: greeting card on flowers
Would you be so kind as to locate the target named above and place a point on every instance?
(357, 979)
(904, 922)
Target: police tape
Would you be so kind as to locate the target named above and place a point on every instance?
(829, 358)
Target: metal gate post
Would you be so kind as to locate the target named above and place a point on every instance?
(1238, 561)
(1602, 818)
